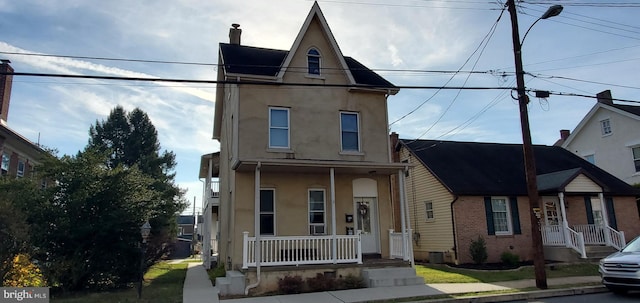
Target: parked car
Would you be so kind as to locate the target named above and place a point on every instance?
(621, 271)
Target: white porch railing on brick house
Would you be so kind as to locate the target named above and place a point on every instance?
(616, 238)
(395, 244)
(601, 235)
(301, 250)
(554, 235)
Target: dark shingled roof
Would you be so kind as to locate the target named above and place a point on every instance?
(240, 59)
(471, 168)
(628, 108)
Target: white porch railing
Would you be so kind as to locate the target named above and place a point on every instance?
(214, 246)
(301, 250)
(553, 235)
(395, 245)
(616, 238)
(576, 241)
(593, 234)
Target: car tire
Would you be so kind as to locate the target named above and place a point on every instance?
(617, 290)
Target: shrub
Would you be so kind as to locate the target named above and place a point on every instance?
(350, 282)
(510, 259)
(290, 285)
(321, 282)
(23, 273)
(478, 250)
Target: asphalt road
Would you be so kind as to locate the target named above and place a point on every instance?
(606, 297)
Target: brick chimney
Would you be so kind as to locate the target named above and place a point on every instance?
(234, 34)
(5, 89)
(564, 134)
(604, 97)
(393, 140)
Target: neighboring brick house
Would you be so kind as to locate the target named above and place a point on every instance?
(304, 162)
(461, 190)
(18, 155)
(609, 137)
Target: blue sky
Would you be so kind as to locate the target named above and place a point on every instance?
(592, 46)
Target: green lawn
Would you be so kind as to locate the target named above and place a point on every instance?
(444, 274)
(163, 283)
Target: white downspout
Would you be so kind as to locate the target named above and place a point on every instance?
(256, 222)
(334, 240)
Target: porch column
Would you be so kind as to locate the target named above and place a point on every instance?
(403, 214)
(565, 223)
(334, 240)
(605, 220)
(409, 230)
(206, 245)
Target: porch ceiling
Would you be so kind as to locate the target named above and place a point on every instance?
(320, 166)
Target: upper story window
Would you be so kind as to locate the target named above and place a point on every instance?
(313, 61)
(350, 134)
(21, 166)
(278, 127)
(605, 127)
(636, 157)
(5, 164)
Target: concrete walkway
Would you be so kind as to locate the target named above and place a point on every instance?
(198, 288)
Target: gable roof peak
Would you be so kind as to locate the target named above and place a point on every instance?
(316, 12)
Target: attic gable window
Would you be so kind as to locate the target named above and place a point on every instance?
(313, 61)
(605, 126)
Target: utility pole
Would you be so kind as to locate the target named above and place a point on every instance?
(527, 149)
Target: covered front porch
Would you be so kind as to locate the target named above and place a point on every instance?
(590, 220)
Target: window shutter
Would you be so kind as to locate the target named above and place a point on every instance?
(587, 206)
(515, 215)
(489, 213)
(611, 213)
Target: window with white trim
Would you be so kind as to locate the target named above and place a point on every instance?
(5, 164)
(636, 157)
(313, 61)
(605, 126)
(428, 211)
(278, 127)
(350, 134)
(267, 212)
(21, 166)
(501, 215)
(317, 221)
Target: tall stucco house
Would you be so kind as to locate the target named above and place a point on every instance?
(609, 137)
(304, 164)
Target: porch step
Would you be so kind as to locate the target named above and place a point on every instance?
(391, 276)
(232, 284)
(598, 251)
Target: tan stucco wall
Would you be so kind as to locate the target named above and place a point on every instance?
(291, 205)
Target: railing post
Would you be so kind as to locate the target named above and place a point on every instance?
(359, 247)
(390, 243)
(583, 251)
(245, 249)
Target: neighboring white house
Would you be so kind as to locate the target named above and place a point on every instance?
(609, 137)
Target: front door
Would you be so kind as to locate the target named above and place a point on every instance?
(553, 220)
(367, 223)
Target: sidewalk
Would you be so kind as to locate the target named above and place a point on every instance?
(198, 288)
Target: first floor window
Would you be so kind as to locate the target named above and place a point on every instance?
(636, 157)
(428, 206)
(501, 217)
(5, 164)
(317, 212)
(267, 212)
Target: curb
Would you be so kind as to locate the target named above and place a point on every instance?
(536, 294)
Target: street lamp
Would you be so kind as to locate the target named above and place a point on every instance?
(527, 146)
(145, 230)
